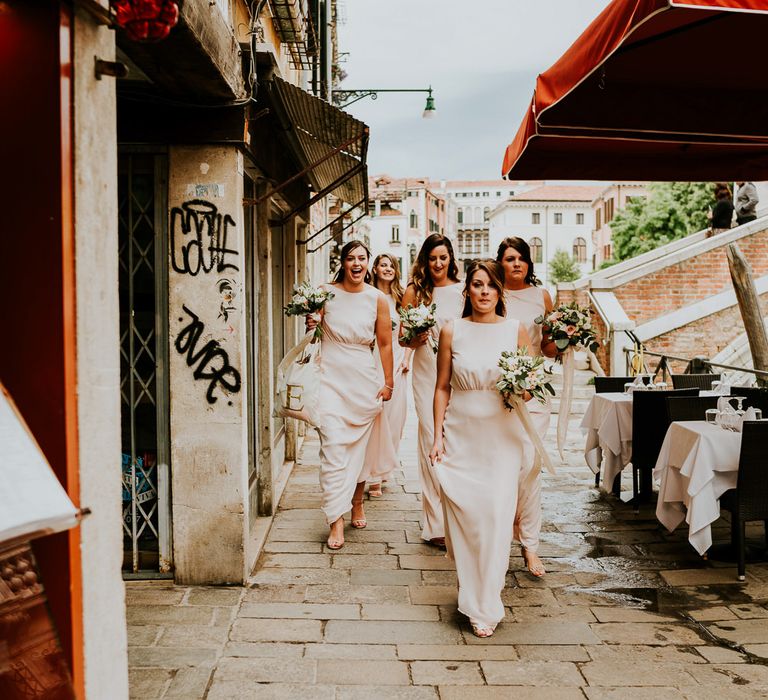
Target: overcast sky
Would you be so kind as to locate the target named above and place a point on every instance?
(481, 58)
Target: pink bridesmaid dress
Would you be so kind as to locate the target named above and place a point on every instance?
(352, 419)
(525, 305)
(485, 445)
(449, 301)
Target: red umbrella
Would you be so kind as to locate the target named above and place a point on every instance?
(680, 81)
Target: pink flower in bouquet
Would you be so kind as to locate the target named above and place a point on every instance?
(570, 330)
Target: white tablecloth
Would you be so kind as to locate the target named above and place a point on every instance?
(698, 462)
(608, 422)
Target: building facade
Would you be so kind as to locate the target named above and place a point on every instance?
(549, 218)
(606, 205)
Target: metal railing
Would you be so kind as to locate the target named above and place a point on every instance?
(693, 364)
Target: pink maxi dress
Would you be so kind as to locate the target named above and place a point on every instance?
(485, 445)
(352, 421)
(525, 305)
(449, 302)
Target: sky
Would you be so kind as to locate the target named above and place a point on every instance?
(481, 58)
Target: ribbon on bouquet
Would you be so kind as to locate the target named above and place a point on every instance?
(541, 457)
(566, 398)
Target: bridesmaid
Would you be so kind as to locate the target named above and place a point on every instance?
(386, 278)
(479, 445)
(434, 279)
(525, 299)
(351, 388)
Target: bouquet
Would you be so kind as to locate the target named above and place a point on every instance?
(417, 319)
(307, 300)
(570, 325)
(520, 372)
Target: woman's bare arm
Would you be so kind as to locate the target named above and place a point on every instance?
(442, 389)
(384, 343)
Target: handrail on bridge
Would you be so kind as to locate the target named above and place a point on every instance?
(696, 363)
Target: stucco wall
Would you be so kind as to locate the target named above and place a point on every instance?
(209, 456)
(98, 368)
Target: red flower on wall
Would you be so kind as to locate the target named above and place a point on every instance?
(146, 20)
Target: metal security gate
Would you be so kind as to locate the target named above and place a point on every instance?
(142, 186)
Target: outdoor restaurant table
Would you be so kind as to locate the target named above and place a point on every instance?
(697, 464)
(608, 422)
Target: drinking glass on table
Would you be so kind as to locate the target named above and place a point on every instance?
(711, 415)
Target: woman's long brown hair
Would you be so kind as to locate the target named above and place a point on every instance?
(420, 277)
(495, 274)
(396, 288)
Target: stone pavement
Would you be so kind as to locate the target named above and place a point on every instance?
(626, 610)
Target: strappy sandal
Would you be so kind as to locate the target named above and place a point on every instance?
(335, 543)
(359, 523)
(374, 491)
(536, 570)
(482, 632)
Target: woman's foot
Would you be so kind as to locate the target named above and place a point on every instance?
(438, 542)
(358, 515)
(336, 535)
(532, 562)
(480, 631)
(374, 491)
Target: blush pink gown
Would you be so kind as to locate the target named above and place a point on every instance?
(485, 444)
(352, 421)
(525, 305)
(449, 301)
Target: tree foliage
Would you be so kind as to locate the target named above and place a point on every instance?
(563, 267)
(672, 210)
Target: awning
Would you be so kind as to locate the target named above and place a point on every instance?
(32, 501)
(660, 71)
(330, 145)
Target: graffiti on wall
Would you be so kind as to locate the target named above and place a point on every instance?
(199, 239)
(211, 361)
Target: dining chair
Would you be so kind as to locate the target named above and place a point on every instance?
(605, 385)
(689, 407)
(749, 500)
(649, 426)
(700, 381)
(756, 397)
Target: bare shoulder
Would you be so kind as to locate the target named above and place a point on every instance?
(548, 304)
(409, 296)
(446, 332)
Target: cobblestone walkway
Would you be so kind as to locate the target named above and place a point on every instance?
(626, 611)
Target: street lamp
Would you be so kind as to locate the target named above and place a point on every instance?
(344, 98)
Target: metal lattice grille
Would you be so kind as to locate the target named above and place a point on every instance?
(141, 359)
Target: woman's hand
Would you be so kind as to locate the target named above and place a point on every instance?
(437, 452)
(311, 321)
(527, 396)
(419, 340)
(385, 393)
(404, 367)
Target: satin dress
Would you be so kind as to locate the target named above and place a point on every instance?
(449, 301)
(485, 445)
(525, 305)
(395, 410)
(352, 420)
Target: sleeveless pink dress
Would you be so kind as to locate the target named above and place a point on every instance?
(352, 420)
(449, 301)
(525, 305)
(485, 444)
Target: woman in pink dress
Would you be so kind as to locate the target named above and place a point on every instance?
(352, 388)
(434, 280)
(386, 278)
(525, 299)
(479, 445)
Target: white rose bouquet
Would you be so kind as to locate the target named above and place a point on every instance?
(307, 300)
(521, 372)
(418, 319)
(570, 325)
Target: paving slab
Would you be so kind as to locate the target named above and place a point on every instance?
(385, 632)
(362, 672)
(455, 652)
(299, 611)
(378, 652)
(612, 674)
(524, 633)
(367, 692)
(372, 611)
(741, 631)
(322, 593)
(446, 673)
(243, 689)
(499, 692)
(646, 633)
(560, 674)
(279, 630)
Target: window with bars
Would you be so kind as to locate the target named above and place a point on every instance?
(395, 234)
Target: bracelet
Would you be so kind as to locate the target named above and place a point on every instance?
(391, 388)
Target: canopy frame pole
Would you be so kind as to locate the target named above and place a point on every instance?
(322, 193)
(328, 240)
(304, 241)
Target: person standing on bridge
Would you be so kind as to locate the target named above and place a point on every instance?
(525, 300)
(746, 203)
(434, 280)
(352, 389)
(479, 446)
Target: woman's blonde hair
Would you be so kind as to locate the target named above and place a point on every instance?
(421, 280)
(396, 288)
(495, 273)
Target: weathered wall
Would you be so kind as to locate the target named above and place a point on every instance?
(98, 368)
(209, 455)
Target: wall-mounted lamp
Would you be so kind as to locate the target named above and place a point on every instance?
(344, 98)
